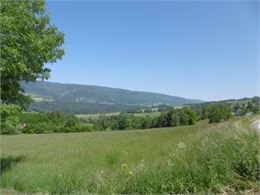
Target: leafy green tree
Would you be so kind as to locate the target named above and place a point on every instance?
(256, 100)
(28, 42)
(191, 115)
(256, 108)
(51, 122)
(218, 112)
(146, 122)
(122, 122)
(136, 122)
(72, 122)
(175, 117)
(249, 107)
(184, 116)
(164, 120)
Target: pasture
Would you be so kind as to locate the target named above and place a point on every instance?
(96, 116)
(214, 158)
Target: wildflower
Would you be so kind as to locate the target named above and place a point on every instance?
(181, 145)
(124, 167)
(130, 173)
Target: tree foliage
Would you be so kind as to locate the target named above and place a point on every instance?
(218, 112)
(51, 123)
(175, 117)
(28, 42)
(179, 117)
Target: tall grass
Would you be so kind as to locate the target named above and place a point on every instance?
(224, 160)
(204, 158)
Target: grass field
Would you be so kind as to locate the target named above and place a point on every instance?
(151, 114)
(216, 158)
(96, 116)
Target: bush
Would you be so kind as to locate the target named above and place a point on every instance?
(86, 128)
(51, 123)
(9, 118)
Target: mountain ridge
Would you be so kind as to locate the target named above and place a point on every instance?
(55, 93)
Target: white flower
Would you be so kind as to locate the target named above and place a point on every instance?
(181, 145)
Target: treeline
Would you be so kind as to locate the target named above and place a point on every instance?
(13, 121)
(76, 107)
(222, 110)
(16, 122)
(215, 112)
(51, 123)
(241, 109)
(173, 118)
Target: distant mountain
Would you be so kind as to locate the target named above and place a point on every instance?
(75, 98)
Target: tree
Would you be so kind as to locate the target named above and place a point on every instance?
(218, 112)
(183, 116)
(192, 116)
(256, 100)
(28, 42)
(256, 109)
(164, 120)
(249, 107)
(122, 122)
(175, 117)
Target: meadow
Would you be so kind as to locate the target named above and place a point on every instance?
(96, 116)
(213, 158)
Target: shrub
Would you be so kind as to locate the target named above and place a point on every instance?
(42, 127)
(86, 128)
(9, 118)
(51, 122)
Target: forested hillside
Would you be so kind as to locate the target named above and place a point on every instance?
(74, 98)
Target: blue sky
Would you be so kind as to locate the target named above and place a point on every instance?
(203, 50)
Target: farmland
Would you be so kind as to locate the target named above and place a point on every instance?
(214, 158)
(96, 116)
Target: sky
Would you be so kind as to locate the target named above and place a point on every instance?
(205, 50)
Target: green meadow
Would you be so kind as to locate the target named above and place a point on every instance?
(96, 116)
(202, 158)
